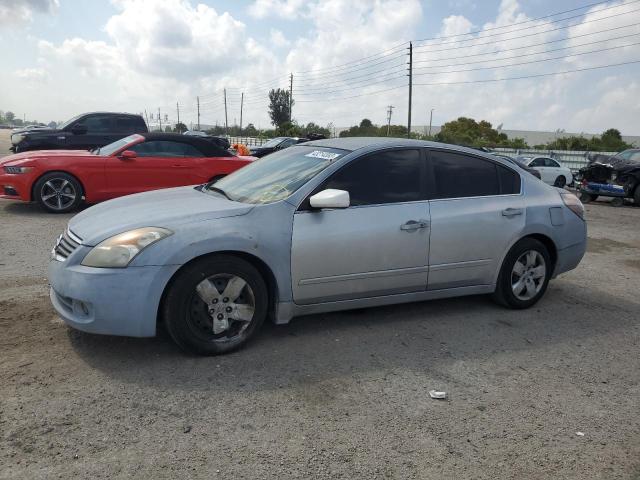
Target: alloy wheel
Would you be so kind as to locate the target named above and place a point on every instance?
(58, 193)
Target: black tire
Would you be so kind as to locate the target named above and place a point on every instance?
(588, 197)
(189, 320)
(504, 293)
(58, 192)
(617, 202)
(560, 182)
(636, 196)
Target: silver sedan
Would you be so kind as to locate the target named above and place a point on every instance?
(324, 226)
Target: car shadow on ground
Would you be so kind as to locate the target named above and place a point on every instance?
(412, 337)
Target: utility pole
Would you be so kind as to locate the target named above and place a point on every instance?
(410, 88)
(198, 102)
(290, 95)
(430, 121)
(389, 112)
(146, 117)
(159, 119)
(241, 103)
(226, 123)
(178, 111)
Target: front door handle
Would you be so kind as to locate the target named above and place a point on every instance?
(414, 225)
(180, 166)
(511, 212)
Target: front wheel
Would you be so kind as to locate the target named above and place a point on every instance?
(524, 275)
(215, 305)
(58, 192)
(588, 197)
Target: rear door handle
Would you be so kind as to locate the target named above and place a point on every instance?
(180, 166)
(511, 212)
(414, 225)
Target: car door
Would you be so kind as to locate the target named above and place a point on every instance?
(477, 211)
(377, 246)
(158, 164)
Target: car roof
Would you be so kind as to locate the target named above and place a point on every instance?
(356, 143)
(204, 144)
(110, 113)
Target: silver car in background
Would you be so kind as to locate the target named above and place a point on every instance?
(324, 226)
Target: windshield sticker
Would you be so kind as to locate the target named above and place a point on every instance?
(323, 155)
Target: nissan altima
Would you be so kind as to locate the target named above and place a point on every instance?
(324, 226)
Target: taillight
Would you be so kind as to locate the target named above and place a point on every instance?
(573, 203)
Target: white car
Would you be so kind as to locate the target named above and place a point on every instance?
(551, 171)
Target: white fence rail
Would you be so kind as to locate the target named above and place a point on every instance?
(571, 159)
(249, 141)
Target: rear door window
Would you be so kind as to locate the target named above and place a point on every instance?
(456, 175)
(538, 162)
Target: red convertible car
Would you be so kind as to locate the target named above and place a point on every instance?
(59, 180)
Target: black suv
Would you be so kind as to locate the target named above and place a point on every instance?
(84, 132)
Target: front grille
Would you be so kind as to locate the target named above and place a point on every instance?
(66, 244)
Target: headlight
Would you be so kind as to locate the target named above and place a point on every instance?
(119, 250)
(16, 170)
(17, 138)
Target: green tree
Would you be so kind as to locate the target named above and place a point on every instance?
(10, 116)
(279, 103)
(180, 127)
(466, 131)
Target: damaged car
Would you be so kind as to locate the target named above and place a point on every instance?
(617, 176)
(323, 226)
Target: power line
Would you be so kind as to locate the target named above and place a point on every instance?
(540, 25)
(526, 54)
(490, 80)
(564, 27)
(561, 57)
(518, 23)
(532, 45)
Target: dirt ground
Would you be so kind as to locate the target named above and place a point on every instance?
(5, 142)
(337, 395)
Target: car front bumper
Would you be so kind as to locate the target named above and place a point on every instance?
(109, 301)
(15, 186)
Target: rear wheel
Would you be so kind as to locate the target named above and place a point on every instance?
(215, 305)
(58, 192)
(617, 202)
(560, 182)
(524, 275)
(636, 196)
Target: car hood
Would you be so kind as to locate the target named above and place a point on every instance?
(42, 154)
(168, 208)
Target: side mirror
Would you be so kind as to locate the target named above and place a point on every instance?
(330, 198)
(79, 129)
(127, 155)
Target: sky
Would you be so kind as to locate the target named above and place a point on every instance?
(347, 57)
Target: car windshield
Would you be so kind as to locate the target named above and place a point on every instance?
(274, 142)
(275, 176)
(69, 122)
(117, 145)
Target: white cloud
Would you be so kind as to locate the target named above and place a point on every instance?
(277, 38)
(289, 9)
(32, 75)
(16, 12)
